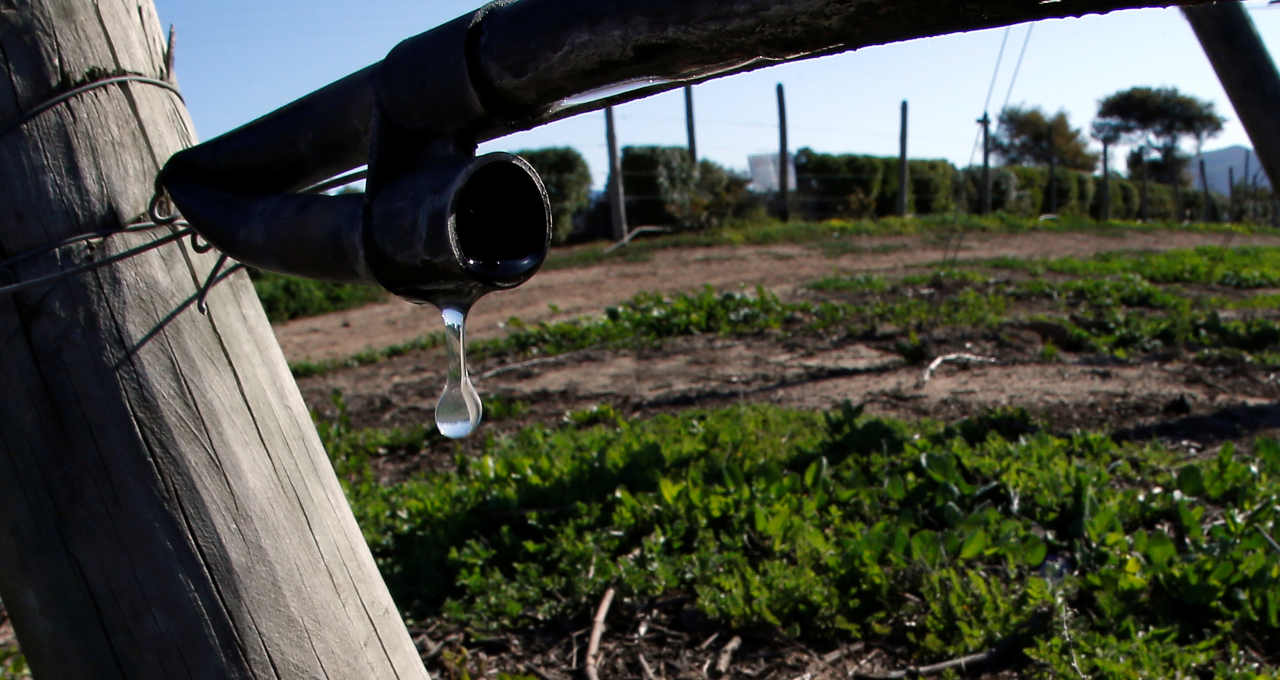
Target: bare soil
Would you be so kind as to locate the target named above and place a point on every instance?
(805, 372)
(1169, 398)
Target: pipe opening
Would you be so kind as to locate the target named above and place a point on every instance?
(502, 222)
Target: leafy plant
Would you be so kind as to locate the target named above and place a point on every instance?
(836, 526)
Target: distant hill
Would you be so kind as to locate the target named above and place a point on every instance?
(1216, 164)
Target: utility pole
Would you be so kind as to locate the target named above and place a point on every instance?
(617, 199)
(903, 175)
(985, 122)
(166, 507)
(688, 123)
(784, 204)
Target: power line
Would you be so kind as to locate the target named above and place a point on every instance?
(996, 71)
(986, 104)
(1018, 66)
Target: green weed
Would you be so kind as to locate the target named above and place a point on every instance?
(940, 541)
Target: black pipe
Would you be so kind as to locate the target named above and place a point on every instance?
(528, 60)
(418, 114)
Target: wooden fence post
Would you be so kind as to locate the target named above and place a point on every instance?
(784, 159)
(985, 122)
(166, 507)
(1104, 206)
(688, 124)
(904, 177)
(615, 188)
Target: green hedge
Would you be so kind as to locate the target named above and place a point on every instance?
(664, 187)
(568, 180)
(851, 185)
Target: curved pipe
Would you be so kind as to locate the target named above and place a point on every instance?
(449, 232)
(417, 114)
(485, 225)
(527, 60)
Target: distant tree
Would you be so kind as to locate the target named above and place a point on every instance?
(567, 178)
(1029, 137)
(1159, 119)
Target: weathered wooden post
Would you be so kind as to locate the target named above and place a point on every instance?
(1104, 210)
(688, 124)
(1204, 189)
(985, 122)
(784, 159)
(903, 173)
(166, 508)
(617, 199)
(1231, 193)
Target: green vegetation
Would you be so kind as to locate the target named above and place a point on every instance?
(1058, 553)
(13, 665)
(287, 297)
(1115, 308)
(1241, 267)
(663, 186)
(567, 178)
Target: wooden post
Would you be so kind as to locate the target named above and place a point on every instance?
(688, 123)
(1204, 188)
(784, 203)
(1231, 193)
(1247, 73)
(903, 175)
(166, 508)
(1104, 211)
(1143, 193)
(617, 199)
(985, 122)
(1051, 200)
(986, 163)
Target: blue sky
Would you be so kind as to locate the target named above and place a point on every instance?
(238, 59)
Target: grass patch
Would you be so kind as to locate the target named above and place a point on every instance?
(1241, 267)
(1124, 316)
(289, 297)
(932, 540)
(833, 236)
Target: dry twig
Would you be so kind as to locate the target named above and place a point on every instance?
(958, 356)
(597, 629)
(646, 668)
(726, 654)
(927, 670)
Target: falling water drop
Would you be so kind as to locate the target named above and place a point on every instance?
(459, 409)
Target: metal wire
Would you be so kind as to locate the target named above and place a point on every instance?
(72, 240)
(40, 108)
(89, 266)
(212, 279)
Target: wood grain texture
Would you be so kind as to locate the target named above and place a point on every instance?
(166, 508)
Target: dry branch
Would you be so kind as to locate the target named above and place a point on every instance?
(726, 654)
(597, 629)
(931, 669)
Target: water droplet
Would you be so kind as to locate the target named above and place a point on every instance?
(458, 411)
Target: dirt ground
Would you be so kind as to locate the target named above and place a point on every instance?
(1166, 397)
(1191, 406)
(1183, 404)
